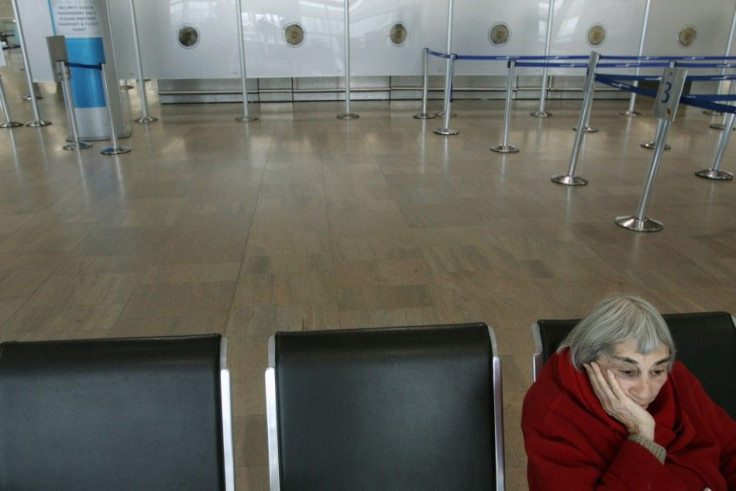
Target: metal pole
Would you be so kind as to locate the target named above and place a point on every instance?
(722, 125)
(347, 114)
(145, 119)
(640, 222)
(541, 112)
(505, 147)
(115, 149)
(449, 74)
(64, 76)
(570, 179)
(631, 112)
(714, 172)
(425, 88)
(6, 110)
(37, 121)
(241, 50)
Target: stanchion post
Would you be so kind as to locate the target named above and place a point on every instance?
(425, 88)
(589, 91)
(631, 111)
(9, 123)
(715, 172)
(115, 149)
(449, 74)
(241, 51)
(37, 121)
(347, 115)
(542, 111)
(145, 119)
(570, 179)
(505, 146)
(665, 108)
(64, 75)
(722, 125)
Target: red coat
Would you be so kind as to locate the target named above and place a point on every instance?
(571, 443)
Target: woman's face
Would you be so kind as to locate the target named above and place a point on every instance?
(640, 376)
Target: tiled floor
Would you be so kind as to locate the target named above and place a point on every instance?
(303, 221)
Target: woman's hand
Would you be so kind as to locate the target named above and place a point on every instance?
(617, 403)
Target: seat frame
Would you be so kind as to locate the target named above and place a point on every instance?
(272, 415)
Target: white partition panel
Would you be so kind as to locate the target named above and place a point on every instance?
(214, 54)
(611, 28)
(36, 18)
(388, 36)
(318, 52)
(675, 23)
(524, 20)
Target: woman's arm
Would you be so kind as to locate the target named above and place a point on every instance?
(561, 456)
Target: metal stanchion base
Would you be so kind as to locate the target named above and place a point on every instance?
(720, 126)
(638, 225)
(541, 114)
(11, 124)
(80, 145)
(566, 180)
(424, 116)
(441, 114)
(587, 129)
(348, 116)
(651, 144)
(505, 149)
(38, 123)
(145, 119)
(445, 131)
(116, 150)
(246, 119)
(631, 114)
(28, 98)
(715, 174)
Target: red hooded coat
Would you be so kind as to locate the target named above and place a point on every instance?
(572, 443)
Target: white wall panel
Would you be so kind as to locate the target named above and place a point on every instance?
(711, 20)
(215, 55)
(621, 21)
(372, 51)
(526, 20)
(266, 50)
(36, 21)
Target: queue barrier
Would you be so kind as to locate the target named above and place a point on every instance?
(714, 102)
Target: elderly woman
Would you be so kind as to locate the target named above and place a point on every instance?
(612, 409)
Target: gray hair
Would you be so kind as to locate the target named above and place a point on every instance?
(614, 321)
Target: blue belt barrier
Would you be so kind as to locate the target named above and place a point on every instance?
(82, 65)
(701, 101)
(553, 65)
(706, 65)
(437, 53)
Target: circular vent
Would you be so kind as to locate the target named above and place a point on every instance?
(596, 35)
(294, 34)
(188, 37)
(398, 34)
(499, 34)
(687, 36)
